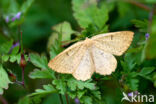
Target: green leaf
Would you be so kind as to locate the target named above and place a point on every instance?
(5, 58)
(130, 61)
(97, 94)
(26, 5)
(72, 95)
(147, 70)
(24, 100)
(86, 100)
(60, 85)
(133, 84)
(141, 24)
(5, 47)
(14, 58)
(39, 61)
(110, 5)
(37, 99)
(146, 73)
(15, 50)
(132, 74)
(42, 74)
(17, 57)
(55, 46)
(80, 93)
(73, 84)
(89, 85)
(86, 12)
(47, 89)
(62, 28)
(53, 52)
(4, 80)
(124, 66)
(51, 41)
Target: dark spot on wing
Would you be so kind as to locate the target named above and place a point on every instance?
(111, 37)
(67, 53)
(101, 53)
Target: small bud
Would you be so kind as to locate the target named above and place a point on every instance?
(77, 101)
(13, 46)
(12, 77)
(18, 15)
(16, 44)
(147, 35)
(13, 19)
(7, 19)
(23, 61)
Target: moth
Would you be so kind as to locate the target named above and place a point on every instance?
(94, 54)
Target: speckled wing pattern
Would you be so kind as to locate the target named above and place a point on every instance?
(104, 63)
(115, 42)
(82, 60)
(66, 61)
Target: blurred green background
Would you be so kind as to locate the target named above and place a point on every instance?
(39, 25)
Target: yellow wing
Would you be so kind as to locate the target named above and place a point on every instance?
(104, 63)
(84, 69)
(81, 60)
(115, 43)
(67, 60)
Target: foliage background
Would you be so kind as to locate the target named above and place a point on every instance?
(50, 26)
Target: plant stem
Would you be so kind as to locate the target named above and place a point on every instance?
(22, 58)
(21, 44)
(61, 99)
(67, 99)
(117, 82)
(65, 43)
(3, 100)
(19, 31)
(140, 5)
(23, 77)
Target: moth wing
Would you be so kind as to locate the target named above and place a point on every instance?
(116, 42)
(85, 68)
(104, 63)
(66, 61)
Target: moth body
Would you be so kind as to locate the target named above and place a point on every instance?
(88, 42)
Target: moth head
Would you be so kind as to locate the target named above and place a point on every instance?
(88, 42)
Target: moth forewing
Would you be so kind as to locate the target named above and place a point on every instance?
(115, 42)
(66, 60)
